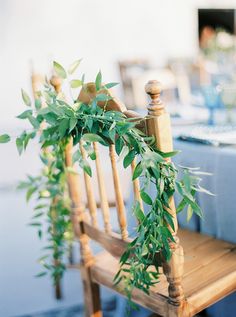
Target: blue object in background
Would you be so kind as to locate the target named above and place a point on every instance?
(212, 101)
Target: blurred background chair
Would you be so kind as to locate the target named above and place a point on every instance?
(128, 70)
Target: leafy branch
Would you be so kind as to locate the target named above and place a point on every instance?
(88, 123)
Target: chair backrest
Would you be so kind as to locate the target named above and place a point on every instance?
(84, 220)
(157, 123)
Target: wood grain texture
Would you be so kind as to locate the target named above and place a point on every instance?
(102, 191)
(212, 281)
(118, 193)
(111, 242)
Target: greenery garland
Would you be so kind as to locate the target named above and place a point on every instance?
(90, 123)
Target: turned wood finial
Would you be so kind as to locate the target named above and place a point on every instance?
(56, 82)
(153, 89)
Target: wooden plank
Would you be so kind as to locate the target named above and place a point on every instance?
(103, 273)
(111, 242)
(190, 239)
(204, 254)
(212, 293)
(208, 274)
(211, 283)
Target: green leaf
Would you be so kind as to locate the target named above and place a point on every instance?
(110, 85)
(72, 124)
(19, 145)
(5, 138)
(169, 219)
(166, 234)
(144, 250)
(63, 126)
(90, 137)
(146, 198)
(30, 192)
(92, 156)
(125, 256)
(40, 206)
(86, 167)
(41, 274)
(98, 81)
(169, 154)
(25, 114)
(25, 98)
(103, 97)
(138, 212)
(38, 104)
(112, 134)
(34, 121)
(60, 71)
(75, 83)
(74, 66)
(35, 224)
(137, 171)
(40, 233)
(129, 158)
(44, 111)
(119, 145)
(195, 207)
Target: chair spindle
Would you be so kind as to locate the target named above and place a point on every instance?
(102, 191)
(118, 193)
(92, 206)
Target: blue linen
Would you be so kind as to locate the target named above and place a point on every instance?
(219, 211)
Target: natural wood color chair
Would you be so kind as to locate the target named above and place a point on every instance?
(209, 271)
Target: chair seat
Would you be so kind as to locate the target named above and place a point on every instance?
(209, 275)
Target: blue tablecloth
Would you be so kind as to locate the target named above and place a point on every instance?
(219, 211)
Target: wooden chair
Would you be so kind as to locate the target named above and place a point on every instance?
(192, 280)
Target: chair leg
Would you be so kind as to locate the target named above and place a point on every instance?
(92, 302)
(173, 271)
